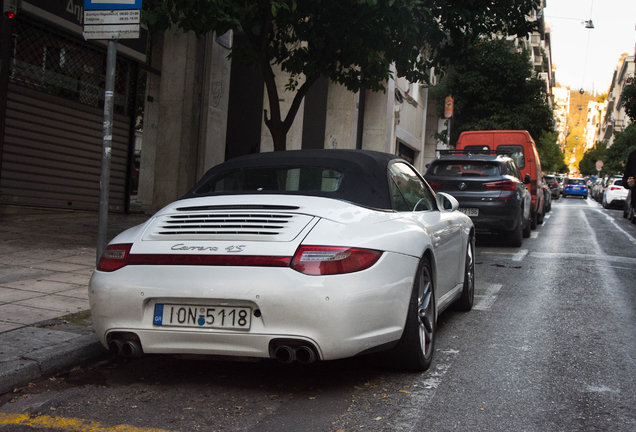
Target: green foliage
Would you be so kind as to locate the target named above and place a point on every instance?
(494, 87)
(624, 144)
(587, 164)
(351, 42)
(628, 99)
(552, 158)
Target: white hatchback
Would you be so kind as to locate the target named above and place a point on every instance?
(615, 194)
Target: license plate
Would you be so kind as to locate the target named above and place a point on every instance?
(469, 211)
(226, 317)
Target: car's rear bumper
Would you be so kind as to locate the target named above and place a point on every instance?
(498, 215)
(341, 315)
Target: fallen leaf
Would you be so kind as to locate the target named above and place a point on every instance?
(404, 391)
(53, 409)
(238, 407)
(377, 418)
(312, 397)
(134, 406)
(357, 388)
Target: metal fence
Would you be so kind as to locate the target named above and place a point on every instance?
(57, 64)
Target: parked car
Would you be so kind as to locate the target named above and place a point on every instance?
(629, 211)
(547, 202)
(575, 187)
(299, 255)
(489, 189)
(596, 191)
(521, 146)
(615, 194)
(553, 184)
(560, 179)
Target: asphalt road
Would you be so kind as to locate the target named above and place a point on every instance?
(549, 346)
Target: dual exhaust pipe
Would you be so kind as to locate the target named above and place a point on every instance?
(126, 348)
(303, 354)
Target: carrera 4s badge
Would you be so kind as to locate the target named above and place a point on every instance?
(184, 247)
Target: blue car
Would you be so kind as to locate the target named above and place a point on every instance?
(574, 187)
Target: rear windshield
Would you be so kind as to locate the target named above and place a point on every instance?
(575, 181)
(514, 151)
(473, 168)
(618, 182)
(269, 179)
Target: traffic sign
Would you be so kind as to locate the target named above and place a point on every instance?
(111, 4)
(111, 31)
(112, 17)
(448, 107)
(599, 165)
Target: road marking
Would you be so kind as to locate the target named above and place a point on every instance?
(519, 256)
(534, 234)
(546, 217)
(613, 221)
(67, 424)
(489, 298)
(595, 257)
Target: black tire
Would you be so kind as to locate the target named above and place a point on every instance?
(527, 229)
(564, 196)
(625, 210)
(515, 237)
(584, 196)
(414, 351)
(540, 218)
(632, 214)
(604, 203)
(465, 302)
(533, 219)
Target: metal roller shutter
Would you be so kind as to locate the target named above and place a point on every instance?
(52, 153)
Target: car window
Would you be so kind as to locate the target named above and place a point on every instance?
(473, 168)
(574, 181)
(618, 182)
(275, 179)
(410, 193)
(516, 152)
(513, 170)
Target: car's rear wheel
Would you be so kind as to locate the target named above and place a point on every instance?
(604, 203)
(527, 229)
(533, 219)
(515, 237)
(465, 302)
(625, 209)
(540, 218)
(415, 349)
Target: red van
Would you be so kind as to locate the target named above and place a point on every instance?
(521, 146)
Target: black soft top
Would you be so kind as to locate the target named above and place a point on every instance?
(365, 178)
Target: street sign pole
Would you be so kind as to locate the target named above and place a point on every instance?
(109, 20)
(107, 146)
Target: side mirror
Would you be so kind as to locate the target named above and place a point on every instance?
(527, 179)
(446, 202)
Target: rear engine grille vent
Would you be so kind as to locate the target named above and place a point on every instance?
(254, 224)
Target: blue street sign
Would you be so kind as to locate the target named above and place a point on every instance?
(111, 4)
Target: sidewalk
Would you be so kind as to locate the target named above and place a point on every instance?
(46, 260)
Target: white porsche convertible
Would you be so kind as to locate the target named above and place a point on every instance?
(299, 256)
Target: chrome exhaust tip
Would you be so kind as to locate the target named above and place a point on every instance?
(284, 354)
(305, 355)
(132, 349)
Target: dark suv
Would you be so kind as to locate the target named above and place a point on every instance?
(553, 183)
(489, 189)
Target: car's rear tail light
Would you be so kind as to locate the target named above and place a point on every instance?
(435, 185)
(615, 188)
(323, 260)
(503, 185)
(114, 257)
(209, 260)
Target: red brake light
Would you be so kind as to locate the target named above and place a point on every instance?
(9, 14)
(209, 260)
(434, 184)
(503, 185)
(615, 188)
(114, 257)
(323, 260)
